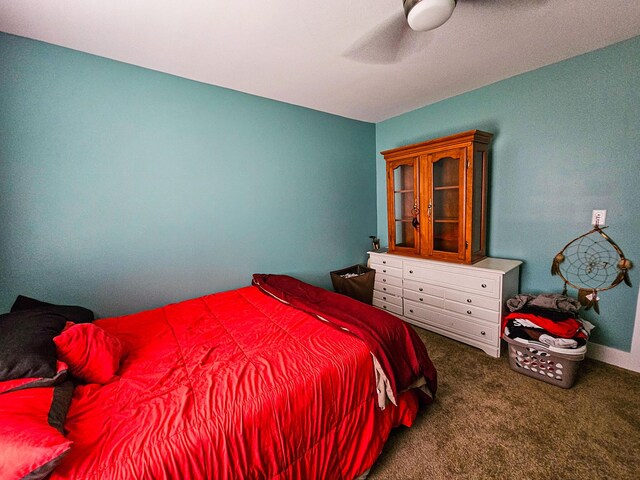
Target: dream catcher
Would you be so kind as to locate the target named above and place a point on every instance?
(591, 263)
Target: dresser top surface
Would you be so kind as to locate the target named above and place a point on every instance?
(499, 265)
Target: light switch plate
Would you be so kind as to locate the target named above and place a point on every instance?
(599, 217)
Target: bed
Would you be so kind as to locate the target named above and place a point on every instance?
(271, 381)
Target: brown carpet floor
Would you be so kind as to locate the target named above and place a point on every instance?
(490, 422)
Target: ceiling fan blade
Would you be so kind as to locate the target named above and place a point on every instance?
(387, 43)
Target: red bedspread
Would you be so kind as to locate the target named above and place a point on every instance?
(231, 385)
(397, 348)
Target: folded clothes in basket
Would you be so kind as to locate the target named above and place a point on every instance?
(558, 342)
(525, 330)
(558, 329)
(547, 301)
(569, 328)
(581, 350)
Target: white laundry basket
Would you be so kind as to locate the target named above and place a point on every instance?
(539, 362)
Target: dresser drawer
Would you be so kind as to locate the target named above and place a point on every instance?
(423, 298)
(474, 312)
(462, 280)
(386, 260)
(473, 300)
(386, 279)
(386, 297)
(424, 288)
(440, 318)
(390, 307)
(386, 288)
(383, 269)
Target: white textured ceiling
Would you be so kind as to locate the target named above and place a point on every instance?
(329, 55)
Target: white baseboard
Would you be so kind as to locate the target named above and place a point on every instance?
(613, 356)
(629, 360)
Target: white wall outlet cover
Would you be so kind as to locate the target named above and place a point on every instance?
(598, 217)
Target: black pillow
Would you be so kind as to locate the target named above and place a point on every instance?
(26, 339)
(73, 313)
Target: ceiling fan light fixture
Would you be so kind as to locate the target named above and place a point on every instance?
(423, 15)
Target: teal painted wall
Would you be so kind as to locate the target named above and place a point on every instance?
(123, 189)
(567, 141)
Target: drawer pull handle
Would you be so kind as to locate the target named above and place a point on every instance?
(422, 299)
(384, 271)
(484, 285)
(384, 298)
(384, 279)
(468, 312)
(410, 271)
(468, 300)
(384, 262)
(483, 332)
(411, 310)
(384, 306)
(420, 289)
(384, 288)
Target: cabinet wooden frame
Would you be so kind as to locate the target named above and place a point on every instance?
(451, 206)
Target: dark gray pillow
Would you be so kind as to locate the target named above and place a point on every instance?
(73, 313)
(27, 344)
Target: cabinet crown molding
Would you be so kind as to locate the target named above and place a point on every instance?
(477, 136)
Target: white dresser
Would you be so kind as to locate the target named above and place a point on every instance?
(463, 302)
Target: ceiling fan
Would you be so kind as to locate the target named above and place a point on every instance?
(423, 15)
(411, 31)
(403, 33)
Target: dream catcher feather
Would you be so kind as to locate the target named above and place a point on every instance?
(591, 263)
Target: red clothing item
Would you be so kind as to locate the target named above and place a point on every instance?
(569, 328)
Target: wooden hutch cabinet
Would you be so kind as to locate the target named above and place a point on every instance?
(437, 197)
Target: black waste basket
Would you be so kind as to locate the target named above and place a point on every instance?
(355, 282)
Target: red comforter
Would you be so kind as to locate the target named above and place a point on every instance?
(231, 385)
(396, 347)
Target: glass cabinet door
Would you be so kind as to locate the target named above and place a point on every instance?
(403, 206)
(445, 207)
(445, 212)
